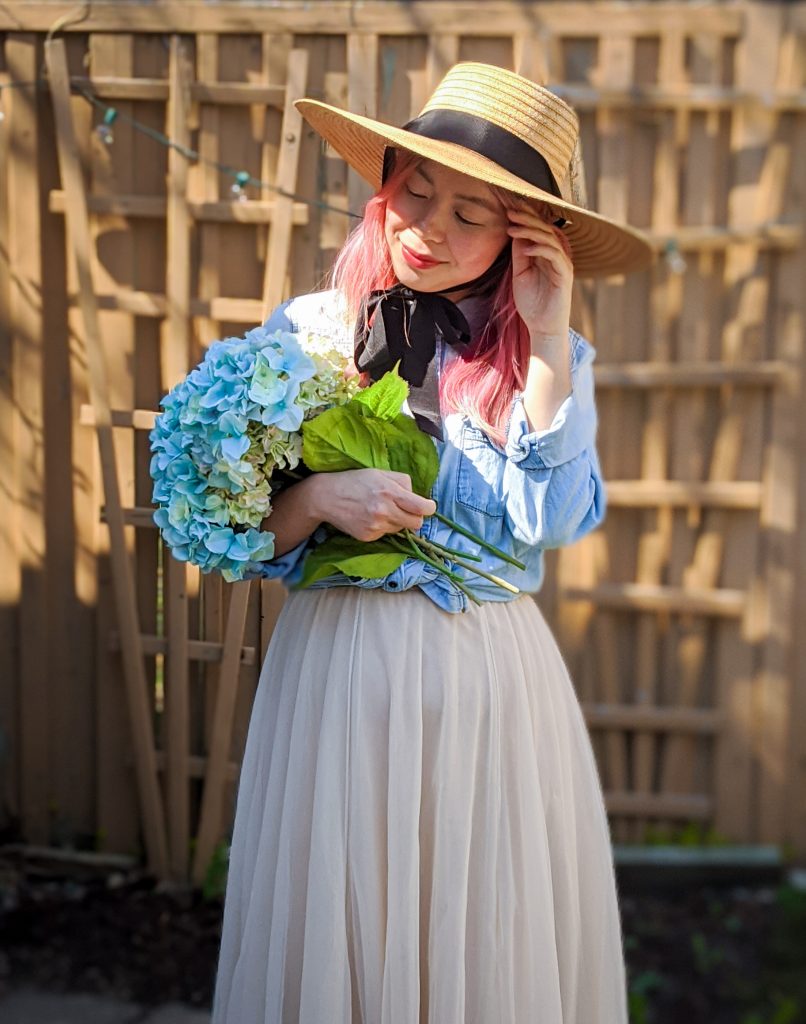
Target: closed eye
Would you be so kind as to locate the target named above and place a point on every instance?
(417, 195)
(464, 220)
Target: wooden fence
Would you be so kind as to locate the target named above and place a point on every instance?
(127, 678)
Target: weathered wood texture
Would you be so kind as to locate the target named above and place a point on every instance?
(678, 618)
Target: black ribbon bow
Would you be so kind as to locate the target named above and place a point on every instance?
(404, 325)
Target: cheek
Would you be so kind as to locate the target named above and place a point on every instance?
(394, 223)
(398, 213)
(479, 252)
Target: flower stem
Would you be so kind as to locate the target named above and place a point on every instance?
(442, 549)
(423, 557)
(478, 540)
(419, 544)
(488, 576)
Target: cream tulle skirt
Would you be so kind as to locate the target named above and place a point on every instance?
(420, 833)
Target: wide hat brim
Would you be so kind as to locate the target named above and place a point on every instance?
(599, 246)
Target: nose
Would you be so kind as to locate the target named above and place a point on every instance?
(431, 223)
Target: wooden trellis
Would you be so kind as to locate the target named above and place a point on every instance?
(678, 618)
(171, 855)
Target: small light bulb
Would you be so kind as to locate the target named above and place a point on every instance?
(241, 179)
(674, 258)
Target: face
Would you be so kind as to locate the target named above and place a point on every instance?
(443, 228)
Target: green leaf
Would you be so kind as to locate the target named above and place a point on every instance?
(385, 397)
(412, 451)
(352, 436)
(343, 438)
(367, 560)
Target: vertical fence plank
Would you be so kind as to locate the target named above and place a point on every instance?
(615, 69)
(207, 331)
(212, 808)
(150, 60)
(362, 98)
(443, 53)
(793, 319)
(737, 447)
(22, 56)
(275, 284)
(176, 358)
(112, 172)
(690, 639)
(779, 542)
(656, 526)
(10, 578)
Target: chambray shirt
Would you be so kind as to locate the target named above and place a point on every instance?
(542, 490)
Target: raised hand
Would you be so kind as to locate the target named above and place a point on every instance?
(542, 274)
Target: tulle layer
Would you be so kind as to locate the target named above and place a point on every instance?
(420, 834)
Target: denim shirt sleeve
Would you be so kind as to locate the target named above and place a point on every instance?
(553, 481)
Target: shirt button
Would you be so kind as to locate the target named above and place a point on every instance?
(392, 585)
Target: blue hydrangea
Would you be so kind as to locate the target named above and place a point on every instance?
(222, 432)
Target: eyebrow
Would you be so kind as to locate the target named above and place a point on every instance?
(486, 203)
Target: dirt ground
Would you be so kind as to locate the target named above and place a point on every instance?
(710, 954)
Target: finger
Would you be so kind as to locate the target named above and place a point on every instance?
(403, 479)
(527, 246)
(534, 231)
(556, 255)
(529, 217)
(406, 522)
(566, 245)
(541, 229)
(408, 501)
(546, 245)
(552, 262)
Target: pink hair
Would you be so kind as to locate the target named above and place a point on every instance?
(483, 382)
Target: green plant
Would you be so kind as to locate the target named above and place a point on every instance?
(706, 957)
(215, 876)
(641, 988)
(692, 833)
(639, 1008)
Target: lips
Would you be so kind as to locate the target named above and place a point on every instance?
(416, 260)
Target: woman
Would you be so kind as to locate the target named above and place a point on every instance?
(420, 833)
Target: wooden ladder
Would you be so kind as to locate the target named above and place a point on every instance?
(167, 836)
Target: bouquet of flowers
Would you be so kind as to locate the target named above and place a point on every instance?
(228, 433)
(234, 431)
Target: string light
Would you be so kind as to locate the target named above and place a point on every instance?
(104, 130)
(241, 178)
(674, 258)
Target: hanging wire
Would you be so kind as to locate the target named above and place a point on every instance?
(241, 178)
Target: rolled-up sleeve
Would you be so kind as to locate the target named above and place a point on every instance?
(573, 428)
(283, 566)
(553, 482)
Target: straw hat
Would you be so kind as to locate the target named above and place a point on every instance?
(506, 130)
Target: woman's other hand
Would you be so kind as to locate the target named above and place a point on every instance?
(369, 503)
(364, 503)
